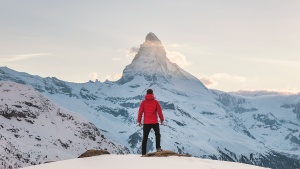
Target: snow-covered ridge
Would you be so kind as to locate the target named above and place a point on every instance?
(34, 130)
(138, 162)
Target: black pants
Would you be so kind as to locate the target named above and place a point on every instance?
(146, 130)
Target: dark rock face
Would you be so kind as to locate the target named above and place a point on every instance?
(114, 111)
(297, 111)
(165, 153)
(91, 153)
(134, 139)
(269, 121)
(152, 37)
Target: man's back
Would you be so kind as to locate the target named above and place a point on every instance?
(150, 107)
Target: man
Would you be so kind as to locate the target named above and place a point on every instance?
(150, 108)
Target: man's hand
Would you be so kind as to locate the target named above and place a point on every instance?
(139, 124)
(162, 123)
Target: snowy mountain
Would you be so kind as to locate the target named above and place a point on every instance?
(200, 122)
(34, 130)
(152, 66)
(137, 162)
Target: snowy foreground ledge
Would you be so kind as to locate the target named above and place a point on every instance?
(138, 162)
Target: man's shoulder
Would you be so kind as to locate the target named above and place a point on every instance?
(154, 100)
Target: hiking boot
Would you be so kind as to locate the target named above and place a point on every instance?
(159, 150)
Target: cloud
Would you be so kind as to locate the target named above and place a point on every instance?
(114, 77)
(222, 79)
(93, 75)
(278, 61)
(118, 76)
(174, 56)
(132, 51)
(174, 45)
(287, 90)
(178, 58)
(14, 58)
(208, 82)
(228, 77)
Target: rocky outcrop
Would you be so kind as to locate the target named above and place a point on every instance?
(91, 153)
(152, 37)
(297, 111)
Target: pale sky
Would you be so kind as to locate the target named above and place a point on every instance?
(229, 44)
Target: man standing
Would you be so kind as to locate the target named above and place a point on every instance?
(150, 108)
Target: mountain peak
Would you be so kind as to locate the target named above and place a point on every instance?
(151, 37)
(152, 63)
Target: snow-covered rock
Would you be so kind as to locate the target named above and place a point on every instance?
(34, 130)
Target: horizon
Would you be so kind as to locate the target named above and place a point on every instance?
(232, 46)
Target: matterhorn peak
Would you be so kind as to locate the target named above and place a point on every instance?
(152, 63)
(151, 37)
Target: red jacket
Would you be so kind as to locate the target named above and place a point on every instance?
(150, 107)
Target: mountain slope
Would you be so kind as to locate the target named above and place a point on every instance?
(34, 130)
(201, 122)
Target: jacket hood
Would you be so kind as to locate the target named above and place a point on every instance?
(149, 97)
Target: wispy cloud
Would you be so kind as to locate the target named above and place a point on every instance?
(228, 77)
(132, 52)
(14, 58)
(178, 58)
(114, 77)
(93, 75)
(278, 61)
(174, 45)
(208, 82)
(174, 56)
(221, 79)
(118, 76)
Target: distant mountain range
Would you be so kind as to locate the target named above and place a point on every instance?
(199, 122)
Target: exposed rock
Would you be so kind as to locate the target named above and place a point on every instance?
(164, 153)
(48, 162)
(91, 153)
(297, 111)
(152, 37)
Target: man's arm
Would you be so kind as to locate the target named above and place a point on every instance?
(160, 114)
(140, 114)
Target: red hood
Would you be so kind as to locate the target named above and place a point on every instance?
(149, 97)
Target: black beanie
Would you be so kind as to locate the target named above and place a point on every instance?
(149, 91)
